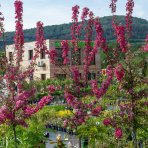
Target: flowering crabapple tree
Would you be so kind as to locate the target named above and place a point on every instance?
(14, 105)
(124, 71)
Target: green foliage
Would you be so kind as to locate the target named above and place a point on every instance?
(40, 95)
(27, 137)
(33, 135)
(48, 114)
(97, 133)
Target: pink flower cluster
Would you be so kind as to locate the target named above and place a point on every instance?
(145, 48)
(118, 133)
(107, 121)
(52, 55)
(85, 13)
(17, 107)
(1, 24)
(51, 89)
(126, 110)
(96, 111)
(5, 114)
(45, 100)
(40, 40)
(88, 27)
(101, 91)
(100, 41)
(113, 6)
(75, 74)
(120, 33)
(75, 28)
(79, 109)
(75, 13)
(19, 35)
(25, 95)
(65, 46)
(29, 110)
(70, 98)
(19, 104)
(128, 19)
(119, 72)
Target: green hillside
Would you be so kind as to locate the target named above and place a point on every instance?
(140, 29)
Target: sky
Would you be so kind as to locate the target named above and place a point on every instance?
(52, 12)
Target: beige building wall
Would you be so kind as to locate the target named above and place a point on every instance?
(49, 70)
(26, 62)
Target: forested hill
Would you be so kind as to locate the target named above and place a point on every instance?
(140, 29)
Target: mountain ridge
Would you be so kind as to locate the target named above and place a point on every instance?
(62, 31)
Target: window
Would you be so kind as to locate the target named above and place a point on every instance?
(43, 76)
(91, 76)
(94, 61)
(30, 54)
(42, 54)
(59, 58)
(10, 56)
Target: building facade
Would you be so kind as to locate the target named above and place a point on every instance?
(45, 69)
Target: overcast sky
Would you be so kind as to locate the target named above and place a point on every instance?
(53, 12)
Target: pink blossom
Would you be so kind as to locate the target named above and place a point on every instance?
(100, 40)
(65, 123)
(40, 40)
(75, 74)
(65, 46)
(22, 122)
(19, 35)
(70, 99)
(120, 33)
(25, 95)
(19, 104)
(45, 100)
(85, 13)
(5, 113)
(145, 48)
(107, 121)
(128, 19)
(94, 86)
(29, 110)
(119, 72)
(96, 111)
(51, 88)
(52, 55)
(80, 120)
(75, 28)
(99, 92)
(1, 24)
(113, 6)
(75, 12)
(118, 133)
(66, 61)
(145, 103)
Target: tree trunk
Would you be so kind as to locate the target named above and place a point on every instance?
(79, 142)
(15, 137)
(134, 138)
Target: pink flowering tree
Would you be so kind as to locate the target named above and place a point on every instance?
(15, 107)
(124, 71)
